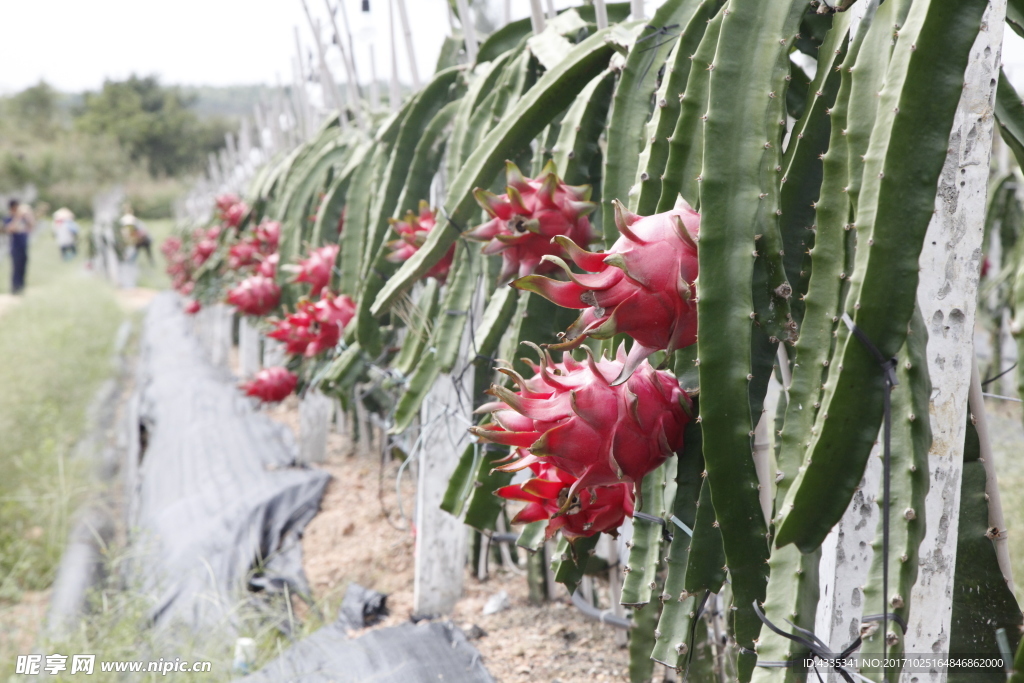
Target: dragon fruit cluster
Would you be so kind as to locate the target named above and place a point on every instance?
(231, 210)
(316, 270)
(644, 286)
(315, 327)
(526, 219)
(253, 250)
(271, 385)
(589, 440)
(412, 232)
(180, 269)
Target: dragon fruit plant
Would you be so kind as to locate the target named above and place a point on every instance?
(644, 286)
(572, 416)
(271, 385)
(412, 232)
(526, 219)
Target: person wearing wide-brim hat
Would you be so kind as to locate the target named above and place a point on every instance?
(65, 231)
(136, 236)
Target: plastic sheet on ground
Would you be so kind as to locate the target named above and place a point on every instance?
(216, 505)
(426, 652)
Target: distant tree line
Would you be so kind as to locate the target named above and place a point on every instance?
(137, 132)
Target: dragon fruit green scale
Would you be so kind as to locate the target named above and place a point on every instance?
(528, 216)
(571, 416)
(644, 286)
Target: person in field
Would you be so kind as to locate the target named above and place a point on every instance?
(136, 237)
(18, 224)
(65, 231)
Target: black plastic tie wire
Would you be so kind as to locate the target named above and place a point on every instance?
(693, 632)
(888, 366)
(986, 382)
(663, 31)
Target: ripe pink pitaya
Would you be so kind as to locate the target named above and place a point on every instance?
(316, 270)
(547, 496)
(570, 415)
(526, 218)
(231, 209)
(242, 255)
(170, 247)
(268, 266)
(271, 385)
(192, 306)
(268, 235)
(412, 232)
(256, 295)
(314, 327)
(202, 251)
(643, 286)
(226, 201)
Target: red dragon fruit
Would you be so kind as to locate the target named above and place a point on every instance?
(268, 235)
(231, 209)
(170, 247)
(643, 286)
(591, 511)
(192, 306)
(226, 201)
(256, 295)
(570, 415)
(412, 232)
(526, 218)
(268, 266)
(242, 255)
(271, 385)
(315, 327)
(202, 251)
(316, 270)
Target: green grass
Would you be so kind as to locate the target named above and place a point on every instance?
(55, 350)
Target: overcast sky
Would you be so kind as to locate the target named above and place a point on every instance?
(76, 44)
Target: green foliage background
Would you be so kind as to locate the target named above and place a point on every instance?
(149, 137)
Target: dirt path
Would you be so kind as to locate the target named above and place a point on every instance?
(353, 539)
(7, 301)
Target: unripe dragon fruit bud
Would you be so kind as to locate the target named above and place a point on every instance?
(271, 385)
(644, 286)
(413, 231)
(314, 327)
(570, 415)
(316, 270)
(256, 295)
(588, 512)
(526, 218)
(192, 306)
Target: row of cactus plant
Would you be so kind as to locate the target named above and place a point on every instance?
(709, 210)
